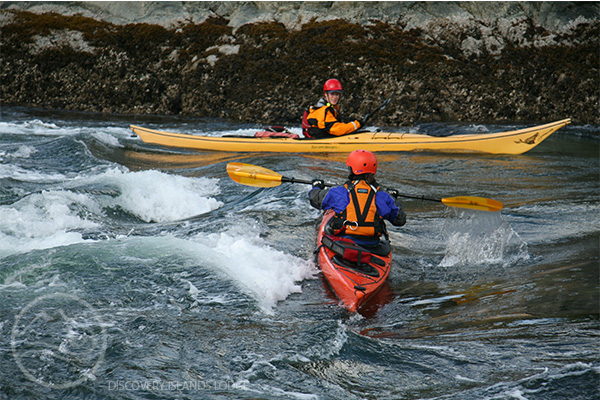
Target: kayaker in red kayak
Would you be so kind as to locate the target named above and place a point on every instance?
(323, 119)
(360, 205)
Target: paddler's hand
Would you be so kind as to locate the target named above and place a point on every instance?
(318, 184)
(392, 192)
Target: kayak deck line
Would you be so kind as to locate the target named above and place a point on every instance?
(508, 142)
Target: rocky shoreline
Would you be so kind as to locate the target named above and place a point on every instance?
(265, 62)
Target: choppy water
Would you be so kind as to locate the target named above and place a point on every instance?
(132, 272)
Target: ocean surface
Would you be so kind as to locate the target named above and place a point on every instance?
(129, 271)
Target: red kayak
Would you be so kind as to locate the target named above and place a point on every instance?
(354, 273)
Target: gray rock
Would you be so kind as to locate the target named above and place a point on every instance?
(266, 61)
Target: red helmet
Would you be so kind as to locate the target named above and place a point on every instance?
(332, 85)
(362, 162)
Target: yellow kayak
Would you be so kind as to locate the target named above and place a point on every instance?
(510, 142)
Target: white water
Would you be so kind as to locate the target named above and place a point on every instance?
(477, 237)
(195, 276)
(154, 196)
(266, 274)
(44, 220)
(80, 203)
(56, 217)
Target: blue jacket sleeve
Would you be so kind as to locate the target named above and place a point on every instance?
(389, 209)
(336, 199)
(386, 206)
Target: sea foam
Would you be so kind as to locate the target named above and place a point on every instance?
(44, 220)
(57, 217)
(266, 274)
(154, 196)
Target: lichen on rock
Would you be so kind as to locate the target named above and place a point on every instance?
(442, 67)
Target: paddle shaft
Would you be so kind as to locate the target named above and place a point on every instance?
(381, 107)
(294, 180)
(464, 202)
(420, 198)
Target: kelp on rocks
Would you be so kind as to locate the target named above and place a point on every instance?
(265, 72)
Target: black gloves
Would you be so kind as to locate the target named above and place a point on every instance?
(401, 217)
(318, 183)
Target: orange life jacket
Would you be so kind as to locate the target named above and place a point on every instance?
(360, 218)
(318, 125)
(322, 121)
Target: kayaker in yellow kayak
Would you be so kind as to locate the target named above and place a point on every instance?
(323, 119)
(360, 205)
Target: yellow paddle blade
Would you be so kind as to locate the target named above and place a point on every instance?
(473, 203)
(253, 175)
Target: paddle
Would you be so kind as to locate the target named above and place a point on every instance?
(381, 107)
(474, 203)
(253, 175)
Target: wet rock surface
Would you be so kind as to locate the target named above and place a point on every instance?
(266, 61)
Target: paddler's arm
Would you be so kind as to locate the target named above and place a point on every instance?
(335, 198)
(341, 128)
(317, 193)
(389, 208)
(338, 127)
